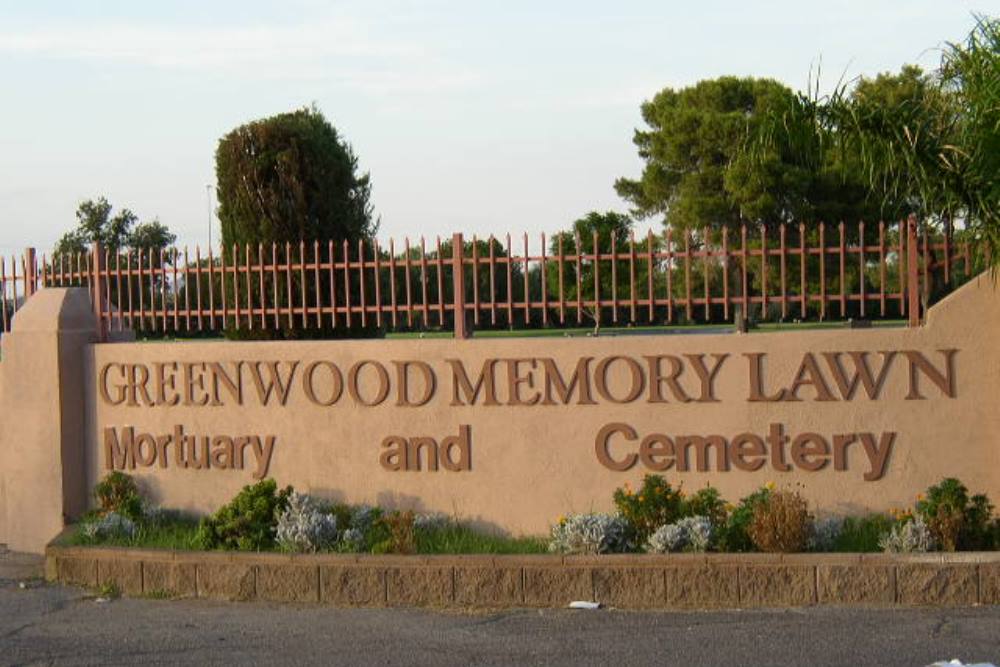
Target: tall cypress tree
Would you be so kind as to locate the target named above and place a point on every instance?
(291, 178)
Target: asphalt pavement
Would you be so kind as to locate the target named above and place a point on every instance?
(43, 624)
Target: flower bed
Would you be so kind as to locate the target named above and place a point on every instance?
(657, 518)
(263, 518)
(274, 544)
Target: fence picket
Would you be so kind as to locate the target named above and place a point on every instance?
(153, 290)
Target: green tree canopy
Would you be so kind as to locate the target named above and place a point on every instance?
(697, 173)
(95, 222)
(602, 227)
(152, 234)
(290, 177)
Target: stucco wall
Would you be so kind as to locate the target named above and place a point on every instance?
(531, 463)
(42, 387)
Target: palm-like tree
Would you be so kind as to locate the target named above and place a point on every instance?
(926, 144)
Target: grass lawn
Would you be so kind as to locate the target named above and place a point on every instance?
(175, 533)
(574, 332)
(455, 538)
(857, 534)
(862, 533)
(460, 539)
(762, 327)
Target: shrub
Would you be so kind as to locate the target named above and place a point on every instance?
(911, 536)
(693, 533)
(735, 537)
(590, 534)
(955, 520)
(303, 527)
(397, 532)
(248, 522)
(339, 511)
(708, 502)
(118, 493)
(364, 517)
(361, 528)
(352, 540)
(781, 523)
(656, 504)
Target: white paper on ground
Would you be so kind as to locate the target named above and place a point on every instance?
(584, 604)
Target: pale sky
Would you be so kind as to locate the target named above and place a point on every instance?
(473, 116)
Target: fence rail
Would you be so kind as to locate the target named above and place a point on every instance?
(791, 271)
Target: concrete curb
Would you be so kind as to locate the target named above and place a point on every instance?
(682, 581)
(15, 566)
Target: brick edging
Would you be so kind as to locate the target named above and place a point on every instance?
(676, 581)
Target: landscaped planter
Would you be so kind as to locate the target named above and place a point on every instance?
(681, 581)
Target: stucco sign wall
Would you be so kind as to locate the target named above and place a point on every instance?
(508, 432)
(514, 432)
(618, 381)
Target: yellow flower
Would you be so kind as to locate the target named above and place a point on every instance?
(641, 498)
(562, 519)
(770, 486)
(920, 497)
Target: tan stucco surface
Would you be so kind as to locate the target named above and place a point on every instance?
(530, 464)
(42, 475)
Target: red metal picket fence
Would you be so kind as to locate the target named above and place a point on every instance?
(18, 280)
(790, 272)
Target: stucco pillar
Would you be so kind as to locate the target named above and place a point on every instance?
(42, 420)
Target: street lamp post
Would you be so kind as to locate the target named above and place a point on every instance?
(208, 203)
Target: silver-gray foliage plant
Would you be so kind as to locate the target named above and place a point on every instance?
(825, 534)
(431, 520)
(352, 540)
(589, 534)
(363, 516)
(693, 533)
(303, 527)
(111, 524)
(910, 537)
